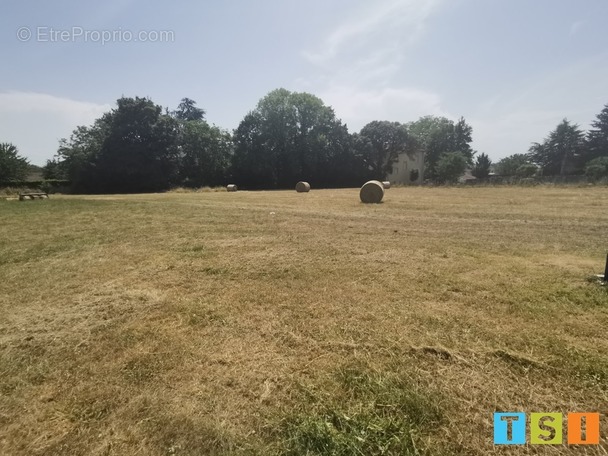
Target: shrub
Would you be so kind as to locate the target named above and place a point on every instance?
(414, 175)
(597, 168)
(526, 170)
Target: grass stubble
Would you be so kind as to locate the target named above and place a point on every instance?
(285, 323)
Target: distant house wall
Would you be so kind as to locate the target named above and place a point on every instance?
(403, 167)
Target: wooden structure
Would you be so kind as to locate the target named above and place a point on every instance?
(35, 195)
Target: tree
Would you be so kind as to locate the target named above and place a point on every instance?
(508, 166)
(526, 170)
(290, 137)
(482, 166)
(139, 153)
(560, 151)
(204, 151)
(205, 154)
(13, 167)
(450, 166)
(54, 169)
(188, 111)
(597, 168)
(463, 136)
(76, 156)
(380, 143)
(435, 136)
(597, 137)
(132, 148)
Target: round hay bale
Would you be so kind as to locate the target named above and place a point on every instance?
(372, 192)
(386, 185)
(231, 188)
(302, 187)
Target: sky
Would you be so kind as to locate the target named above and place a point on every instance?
(512, 68)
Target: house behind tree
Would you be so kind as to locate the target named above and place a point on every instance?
(408, 170)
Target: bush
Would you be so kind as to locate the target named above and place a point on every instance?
(526, 170)
(414, 175)
(597, 168)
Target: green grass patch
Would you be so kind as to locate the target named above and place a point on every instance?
(368, 413)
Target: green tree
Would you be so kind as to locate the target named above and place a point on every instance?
(132, 148)
(435, 136)
(597, 168)
(187, 111)
(139, 153)
(54, 169)
(380, 143)
(290, 137)
(526, 170)
(13, 167)
(559, 153)
(463, 136)
(482, 166)
(204, 151)
(597, 137)
(76, 156)
(205, 154)
(450, 166)
(508, 166)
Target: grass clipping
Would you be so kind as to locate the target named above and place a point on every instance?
(372, 192)
(302, 187)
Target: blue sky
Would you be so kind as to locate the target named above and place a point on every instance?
(512, 68)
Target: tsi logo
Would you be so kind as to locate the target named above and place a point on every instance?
(546, 428)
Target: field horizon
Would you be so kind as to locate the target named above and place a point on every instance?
(276, 322)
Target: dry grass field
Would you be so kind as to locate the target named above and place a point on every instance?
(300, 324)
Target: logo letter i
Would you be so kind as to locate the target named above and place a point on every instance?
(583, 428)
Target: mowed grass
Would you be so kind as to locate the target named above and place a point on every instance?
(283, 323)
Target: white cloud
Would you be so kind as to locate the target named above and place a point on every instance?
(403, 19)
(33, 121)
(359, 67)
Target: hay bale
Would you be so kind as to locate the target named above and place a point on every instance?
(386, 185)
(372, 192)
(302, 187)
(231, 188)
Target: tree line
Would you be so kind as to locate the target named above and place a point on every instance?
(566, 150)
(140, 146)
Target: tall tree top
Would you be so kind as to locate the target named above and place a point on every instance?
(187, 111)
(601, 123)
(597, 137)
